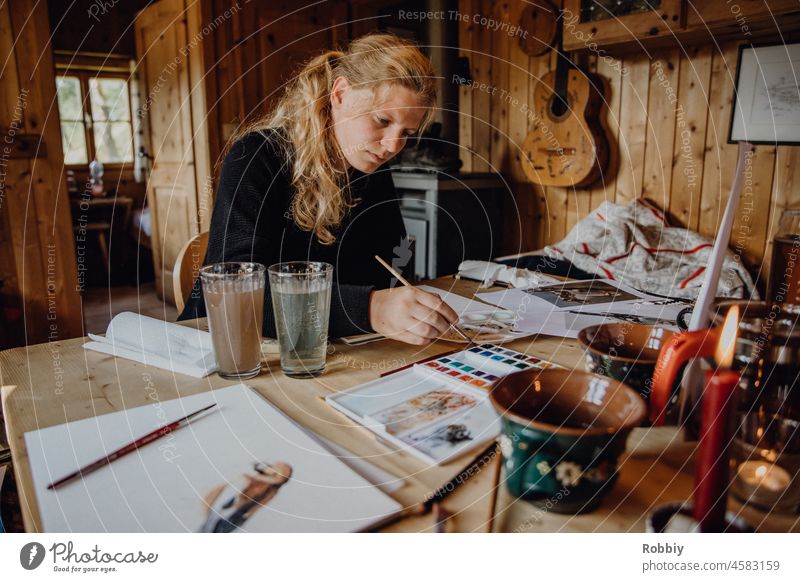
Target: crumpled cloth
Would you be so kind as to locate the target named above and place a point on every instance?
(489, 273)
(634, 244)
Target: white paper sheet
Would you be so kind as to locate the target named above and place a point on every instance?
(153, 342)
(163, 486)
(459, 303)
(468, 309)
(538, 316)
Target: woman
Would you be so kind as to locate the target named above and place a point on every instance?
(305, 183)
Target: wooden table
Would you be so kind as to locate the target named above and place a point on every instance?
(50, 384)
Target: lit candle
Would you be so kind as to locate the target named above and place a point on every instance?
(762, 483)
(711, 472)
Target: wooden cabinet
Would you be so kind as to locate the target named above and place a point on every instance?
(674, 23)
(594, 22)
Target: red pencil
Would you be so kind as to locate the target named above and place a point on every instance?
(140, 442)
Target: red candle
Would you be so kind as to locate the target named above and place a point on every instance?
(719, 406)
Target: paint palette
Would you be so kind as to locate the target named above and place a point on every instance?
(439, 409)
(485, 364)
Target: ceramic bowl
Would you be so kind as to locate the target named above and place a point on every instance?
(563, 432)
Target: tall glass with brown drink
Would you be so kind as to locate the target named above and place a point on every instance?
(784, 280)
(234, 297)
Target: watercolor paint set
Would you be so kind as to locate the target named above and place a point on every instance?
(438, 409)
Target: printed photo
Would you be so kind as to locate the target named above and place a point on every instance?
(422, 410)
(454, 436)
(229, 507)
(581, 293)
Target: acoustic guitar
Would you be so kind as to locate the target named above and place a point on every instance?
(567, 146)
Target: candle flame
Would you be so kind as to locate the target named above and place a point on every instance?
(761, 471)
(727, 339)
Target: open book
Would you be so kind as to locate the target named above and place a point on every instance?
(153, 342)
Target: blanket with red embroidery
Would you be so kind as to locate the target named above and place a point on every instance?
(634, 244)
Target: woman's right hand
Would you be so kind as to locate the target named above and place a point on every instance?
(409, 315)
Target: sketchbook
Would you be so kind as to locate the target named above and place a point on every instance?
(153, 342)
(439, 409)
(246, 467)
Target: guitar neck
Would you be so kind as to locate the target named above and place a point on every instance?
(563, 65)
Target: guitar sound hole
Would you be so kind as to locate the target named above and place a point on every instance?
(558, 107)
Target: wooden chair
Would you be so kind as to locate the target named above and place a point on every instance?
(190, 259)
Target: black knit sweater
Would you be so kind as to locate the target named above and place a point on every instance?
(252, 221)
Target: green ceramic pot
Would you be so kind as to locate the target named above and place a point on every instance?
(563, 432)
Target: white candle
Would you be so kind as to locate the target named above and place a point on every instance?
(763, 482)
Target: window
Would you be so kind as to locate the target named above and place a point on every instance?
(95, 119)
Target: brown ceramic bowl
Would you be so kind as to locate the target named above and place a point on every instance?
(563, 431)
(625, 351)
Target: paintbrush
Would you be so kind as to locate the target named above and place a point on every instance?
(403, 280)
(130, 447)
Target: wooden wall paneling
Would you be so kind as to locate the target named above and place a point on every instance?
(465, 115)
(539, 67)
(579, 200)
(632, 129)
(678, 157)
(200, 76)
(752, 222)
(519, 74)
(12, 207)
(610, 71)
(499, 79)
(240, 51)
(210, 110)
(189, 213)
(20, 213)
(690, 137)
(9, 84)
(520, 206)
(556, 197)
(245, 33)
(21, 200)
(228, 105)
(48, 181)
(339, 18)
(36, 204)
(660, 128)
(482, 62)
(11, 330)
(720, 156)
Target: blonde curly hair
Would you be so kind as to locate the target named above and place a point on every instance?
(303, 113)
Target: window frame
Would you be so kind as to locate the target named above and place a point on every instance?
(86, 106)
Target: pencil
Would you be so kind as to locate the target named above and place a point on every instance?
(403, 280)
(130, 447)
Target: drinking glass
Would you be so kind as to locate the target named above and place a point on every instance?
(784, 280)
(301, 300)
(234, 296)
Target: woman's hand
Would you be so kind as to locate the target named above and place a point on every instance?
(409, 315)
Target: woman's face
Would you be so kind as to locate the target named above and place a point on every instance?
(372, 126)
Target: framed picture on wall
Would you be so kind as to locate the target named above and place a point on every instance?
(767, 99)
